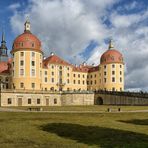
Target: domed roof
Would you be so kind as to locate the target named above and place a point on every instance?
(26, 41)
(111, 56)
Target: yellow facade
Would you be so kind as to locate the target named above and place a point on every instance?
(29, 71)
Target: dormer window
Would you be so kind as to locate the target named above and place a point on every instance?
(32, 44)
(22, 44)
(112, 58)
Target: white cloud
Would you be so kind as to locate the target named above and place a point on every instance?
(14, 6)
(63, 26)
(67, 27)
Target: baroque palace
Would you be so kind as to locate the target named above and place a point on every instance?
(27, 78)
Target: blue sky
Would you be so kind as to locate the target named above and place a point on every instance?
(79, 30)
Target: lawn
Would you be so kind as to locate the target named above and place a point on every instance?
(88, 108)
(49, 130)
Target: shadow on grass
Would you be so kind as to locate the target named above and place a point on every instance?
(100, 136)
(136, 121)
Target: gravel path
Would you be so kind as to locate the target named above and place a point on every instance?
(72, 111)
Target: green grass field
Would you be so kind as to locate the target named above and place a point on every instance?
(88, 108)
(94, 130)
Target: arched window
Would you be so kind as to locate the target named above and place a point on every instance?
(55, 101)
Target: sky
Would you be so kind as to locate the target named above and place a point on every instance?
(79, 30)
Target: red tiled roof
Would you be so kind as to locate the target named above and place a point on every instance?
(111, 56)
(80, 69)
(4, 67)
(53, 59)
(93, 69)
(27, 39)
(10, 60)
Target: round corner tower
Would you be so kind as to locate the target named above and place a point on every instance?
(27, 61)
(112, 69)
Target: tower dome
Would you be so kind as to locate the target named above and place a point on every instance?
(26, 40)
(111, 55)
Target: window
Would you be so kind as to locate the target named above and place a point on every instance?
(9, 100)
(113, 89)
(74, 75)
(87, 76)
(95, 82)
(60, 67)
(60, 73)
(78, 75)
(52, 67)
(113, 65)
(113, 79)
(33, 63)
(67, 68)
(52, 80)
(91, 76)
(33, 54)
(67, 80)
(105, 73)
(33, 72)
(21, 85)
(52, 88)
(120, 89)
(83, 76)
(83, 82)
(120, 79)
(21, 72)
(104, 66)
(105, 80)
(55, 101)
(87, 82)
(29, 101)
(22, 54)
(21, 63)
(52, 73)
(120, 72)
(113, 72)
(95, 75)
(74, 81)
(45, 72)
(6, 79)
(38, 101)
(78, 81)
(67, 74)
(60, 81)
(33, 85)
(91, 82)
(120, 66)
(45, 79)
